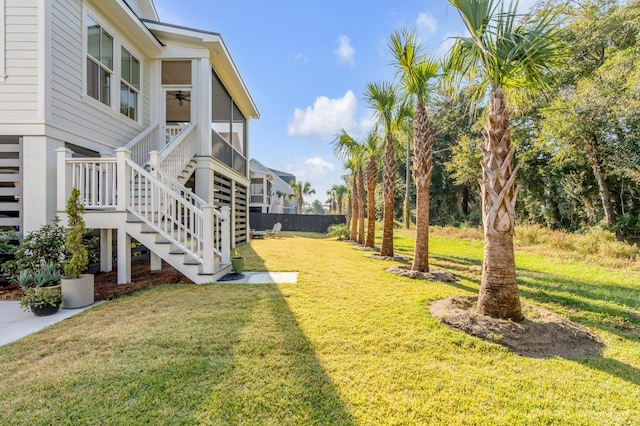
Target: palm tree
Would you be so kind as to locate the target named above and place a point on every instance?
(383, 99)
(372, 157)
(417, 72)
(300, 190)
(351, 150)
(502, 53)
(340, 193)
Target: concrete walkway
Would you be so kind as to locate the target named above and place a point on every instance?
(265, 278)
(16, 323)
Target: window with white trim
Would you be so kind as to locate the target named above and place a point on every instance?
(99, 62)
(129, 84)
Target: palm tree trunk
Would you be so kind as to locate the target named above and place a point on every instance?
(407, 191)
(354, 208)
(422, 168)
(349, 214)
(499, 296)
(372, 180)
(360, 206)
(389, 189)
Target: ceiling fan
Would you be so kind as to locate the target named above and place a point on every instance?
(180, 97)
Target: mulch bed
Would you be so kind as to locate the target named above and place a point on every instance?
(433, 275)
(542, 334)
(105, 283)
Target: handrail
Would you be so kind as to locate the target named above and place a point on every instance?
(98, 179)
(172, 215)
(176, 155)
(147, 141)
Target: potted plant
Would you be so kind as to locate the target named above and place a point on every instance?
(77, 288)
(41, 301)
(237, 262)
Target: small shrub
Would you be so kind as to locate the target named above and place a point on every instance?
(340, 230)
(76, 231)
(39, 297)
(39, 247)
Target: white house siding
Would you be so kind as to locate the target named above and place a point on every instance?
(135, 6)
(19, 91)
(85, 121)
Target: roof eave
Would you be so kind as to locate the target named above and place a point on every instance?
(220, 59)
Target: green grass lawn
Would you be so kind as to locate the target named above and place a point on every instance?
(348, 344)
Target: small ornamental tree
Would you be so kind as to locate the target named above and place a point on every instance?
(76, 229)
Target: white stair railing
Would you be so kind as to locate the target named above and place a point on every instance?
(147, 141)
(175, 156)
(157, 199)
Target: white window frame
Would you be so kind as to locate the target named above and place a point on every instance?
(99, 63)
(116, 76)
(2, 41)
(130, 86)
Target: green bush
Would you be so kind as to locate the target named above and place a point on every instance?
(39, 297)
(340, 230)
(76, 231)
(38, 248)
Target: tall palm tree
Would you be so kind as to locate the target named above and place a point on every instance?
(372, 148)
(384, 100)
(417, 73)
(518, 54)
(301, 190)
(332, 201)
(351, 150)
(341, 192)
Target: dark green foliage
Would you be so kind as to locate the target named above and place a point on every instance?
(76, 231)
(340, 230)
(42, 246)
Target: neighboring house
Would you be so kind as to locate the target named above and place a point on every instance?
(136, 113)
(269, 190)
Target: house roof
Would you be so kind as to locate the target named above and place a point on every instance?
(220, 58)
(129, 23)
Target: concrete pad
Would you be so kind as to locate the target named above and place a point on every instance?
(16, 323)
(265, 278)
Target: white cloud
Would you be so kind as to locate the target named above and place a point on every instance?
(325, 118)
(301, 58)
(345, 51)
(320, 174)
(427, 22)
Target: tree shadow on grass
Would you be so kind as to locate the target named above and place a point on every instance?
(273, 375)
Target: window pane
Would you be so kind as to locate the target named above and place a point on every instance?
(92, 79)
(133, 105)
(106, 51)
(105, 87)
(93, 35)
(126, 65)
(135, 73)
(176, 72)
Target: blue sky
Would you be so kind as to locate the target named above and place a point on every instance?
(306, 65)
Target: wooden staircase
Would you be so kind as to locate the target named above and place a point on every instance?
(151, 204)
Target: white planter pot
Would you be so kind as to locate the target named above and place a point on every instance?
(78, 292)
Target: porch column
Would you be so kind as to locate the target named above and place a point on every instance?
(155, 261)
(39, 181)
(106, 244)
(204, 179)
(124, 240)
(124, 256)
